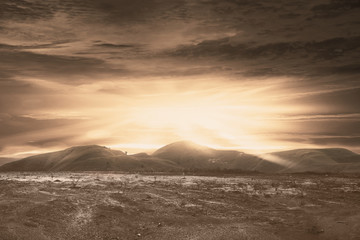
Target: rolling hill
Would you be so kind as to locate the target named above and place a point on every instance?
(318, 160)
(60, 160)
(193, 156)
(188, 156)
(89, 158)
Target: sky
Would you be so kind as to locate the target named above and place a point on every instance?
(135, 75)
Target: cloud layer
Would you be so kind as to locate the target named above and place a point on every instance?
(95, 68)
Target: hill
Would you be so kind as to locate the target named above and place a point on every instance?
(189, 156)
(89, 158)
(178, 156)
(60, 160)
(318, 160)
(186, 154)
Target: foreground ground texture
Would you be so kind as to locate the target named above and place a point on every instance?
(123, 206)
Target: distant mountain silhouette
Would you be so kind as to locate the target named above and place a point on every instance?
(67, 159)
(188, 156)
(89, 158)
(193, 156)
(319, 160)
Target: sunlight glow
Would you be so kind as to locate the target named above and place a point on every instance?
(207, 121)
(150, 114)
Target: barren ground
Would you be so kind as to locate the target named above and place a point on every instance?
(80, 206)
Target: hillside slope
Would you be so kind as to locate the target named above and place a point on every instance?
(60, 160)
(90, 158)
(189, 155)
(318, 160)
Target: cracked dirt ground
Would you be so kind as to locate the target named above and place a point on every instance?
(61, 206)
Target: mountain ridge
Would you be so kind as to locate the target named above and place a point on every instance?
(187, 155)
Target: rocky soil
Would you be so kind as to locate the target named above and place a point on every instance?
(44, 206)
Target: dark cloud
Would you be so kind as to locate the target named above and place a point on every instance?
(335, 8)
(265, 71)
(110, 45)
(290, 15)
(21, 10)
(337, 141)
(353, 68)
(122, 12)
(300, 59)
(258, 27)
(67, 69)
(35, 46)
(14, 125)
(35, 132)
(225, 49)
(7, 46)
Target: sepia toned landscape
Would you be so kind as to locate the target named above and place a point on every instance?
(179, 119)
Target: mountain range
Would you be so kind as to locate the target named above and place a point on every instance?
(188, 156)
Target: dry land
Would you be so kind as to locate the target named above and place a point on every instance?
(64, 206)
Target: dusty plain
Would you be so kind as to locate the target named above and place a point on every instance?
(108, 206)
